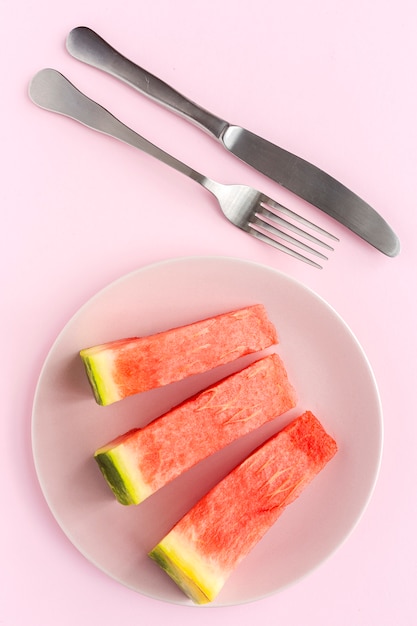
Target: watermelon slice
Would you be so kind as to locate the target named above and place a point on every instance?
(128, 366)
(141, 461)
(207, 544)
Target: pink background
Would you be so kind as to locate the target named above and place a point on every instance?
(334, 82)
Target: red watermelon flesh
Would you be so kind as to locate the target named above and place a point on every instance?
(142, 461)
(207, 544)
(124, 367)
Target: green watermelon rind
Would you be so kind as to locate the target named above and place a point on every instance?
(117, 476)
(95, 380)
(103, 394)
(186, 583)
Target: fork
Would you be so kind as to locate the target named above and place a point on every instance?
(245, 207)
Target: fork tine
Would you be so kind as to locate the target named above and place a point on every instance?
(256, 232)
(264, 220)
(276, 232)
(275, 208)
(273, 217)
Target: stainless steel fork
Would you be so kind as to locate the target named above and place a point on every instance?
(247, 208)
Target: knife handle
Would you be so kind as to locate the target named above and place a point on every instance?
(87, 46)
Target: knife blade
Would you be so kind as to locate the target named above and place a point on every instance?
(292, 172)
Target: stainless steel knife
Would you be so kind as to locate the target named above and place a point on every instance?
(292, 172)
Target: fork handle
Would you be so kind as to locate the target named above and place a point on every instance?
(87, 46)
(50, 90)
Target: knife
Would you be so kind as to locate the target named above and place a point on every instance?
(292, 172)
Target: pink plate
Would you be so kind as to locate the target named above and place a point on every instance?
(326, 365)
